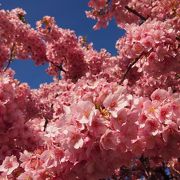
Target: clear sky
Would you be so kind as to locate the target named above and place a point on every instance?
(68, 14)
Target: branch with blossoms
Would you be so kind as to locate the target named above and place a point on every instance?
(60, 68)
(10, 58)
(95, 125)
(21, 16)
(131, 10)
(132, 64)
(45, 124)
(130, 67)
(136, 13)
(47, 119)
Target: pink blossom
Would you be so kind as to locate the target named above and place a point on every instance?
(152, 126)
(159, 95)
(107, 111)
(9, 164)
(110, 140)
(84, 111)
(120, 120)
(25, 175)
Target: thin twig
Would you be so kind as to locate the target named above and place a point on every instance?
(47, 118)
(136, 13)
(60, 68)
(129, 67)
(178, 38)
(132, 64)
(45, 124)
(10, 58)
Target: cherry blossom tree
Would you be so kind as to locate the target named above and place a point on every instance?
(102, 116)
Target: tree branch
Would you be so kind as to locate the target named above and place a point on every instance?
(132, 64)
(135, 13)
(59, 67)
(129, 67)
(45, 124)
(178, 38)
(10, 58)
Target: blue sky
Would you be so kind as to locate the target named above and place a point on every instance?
(68, 14)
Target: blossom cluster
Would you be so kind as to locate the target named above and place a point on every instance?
(94, 128)
(156, 49)
(123, 11)
(14, 100)
(107, 112)
(18, 39)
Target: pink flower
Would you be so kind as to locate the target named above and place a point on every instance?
(149, 108)
(25, 175)
(110, 140)
(129, 131)
(75, 140)
(159, 95)
(79, 143)
(9, 165)
(97, 126)
(138, 147)
(116, 101)
(147, 42)
(4, 176)
(121, 118)
(30, 162)
(165, 113)
(152, 126)
(84, 110)
(49, 159)
(176, 108)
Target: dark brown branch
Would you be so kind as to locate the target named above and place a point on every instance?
(10, 58)
(130, 66)
(45, 124)
(136, 13)
(47, 119)
(60, 68)
(178, 38)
